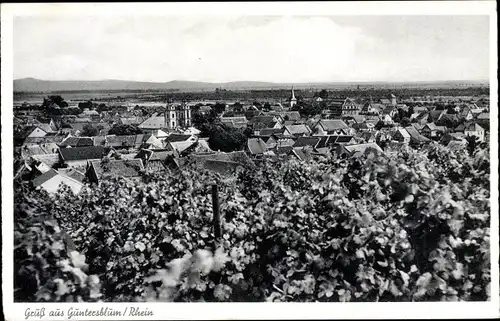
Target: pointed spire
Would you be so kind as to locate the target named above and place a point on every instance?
(293, 94)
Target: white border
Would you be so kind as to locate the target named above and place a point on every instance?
(250, 310)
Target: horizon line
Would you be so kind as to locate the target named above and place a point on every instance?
(263, 81)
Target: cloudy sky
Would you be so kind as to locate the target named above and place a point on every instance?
(259, 48)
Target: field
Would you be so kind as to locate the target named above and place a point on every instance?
(410, 226)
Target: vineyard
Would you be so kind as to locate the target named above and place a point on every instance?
(412, 225)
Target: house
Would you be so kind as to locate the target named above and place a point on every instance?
(155, 160)
(297, 130)
(251, 113)
(364, 127)
(435, 115)
(300, 154)
(28, 151)
(385, 101)
(179, 142)
(371, 108)
(152, 142)
(448, 137)
(338, 107)
(155, 121)
(473, 129)
(466, 113)
(235, 122)
(191, 131)
(415, 137)
(355, 119)
(128, 169)
(134, 121)
(358, 149)
(72, 141)
(51, 180)
(73, 173)
(430, 130)
(402, 135)
(125, 141)
(79, 156)
(483, 119)
(289, 115)
(303, 142)
(456, 145)
(31, 132)
(265, 121)
(386, 119)
(390, 110)
(256, 146)
(368, 137)
(350, 108)
(331, 127)
(48, 159)
(268, 132)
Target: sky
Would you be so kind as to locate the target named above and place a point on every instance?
(253, 48)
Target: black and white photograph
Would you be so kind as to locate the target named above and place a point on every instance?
(243, 158)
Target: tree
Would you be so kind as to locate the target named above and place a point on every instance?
(411, 110)
(237, 107)
(267, 106)
(226, 139)
(121, 130)
(405, 122)
(85, 104)
(219, 107)
(472, 144)
(89, 130)
(54, 99)
(323, 94)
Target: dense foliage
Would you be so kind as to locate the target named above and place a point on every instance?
(405, 226)
(124, 130)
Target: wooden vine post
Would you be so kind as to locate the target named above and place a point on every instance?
(216, 211)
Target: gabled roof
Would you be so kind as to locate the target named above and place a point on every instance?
(291, 115)
(77, 142)
(156, 122)
(177, 138)
(44, 177)
(332, 124)
(123, 168)
(385, 101)
(389, 109)
(473, 127)
(270, 131)
(256, 146)
(298, 129)
(414, 134)
(325, 141)
(48, 159)
(300, 154)
(403, 132)
(73, 173)
(343, 139)
(362, 148)
(483, 116)
(307, 141)
(436, 114)
(431, 126)
(238, 157)
(82, 153)
(235, 119)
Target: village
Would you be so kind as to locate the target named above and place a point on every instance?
(54, 147)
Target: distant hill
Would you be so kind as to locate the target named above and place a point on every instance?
(38, 85)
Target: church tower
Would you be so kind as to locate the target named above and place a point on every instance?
(170, 119)
(293, 101)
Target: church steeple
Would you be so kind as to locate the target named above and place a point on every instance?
(293, 100)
